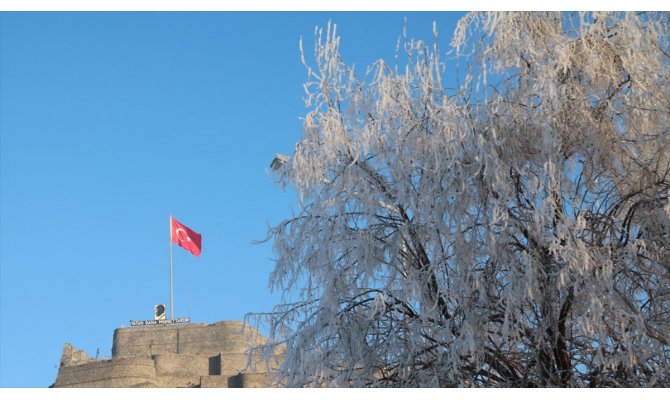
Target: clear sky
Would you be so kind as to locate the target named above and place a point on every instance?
(109, 122)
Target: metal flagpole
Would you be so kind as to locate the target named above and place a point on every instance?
(171, 299)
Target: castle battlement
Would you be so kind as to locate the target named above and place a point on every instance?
(193, 355)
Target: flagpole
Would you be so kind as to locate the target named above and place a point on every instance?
(171, 298)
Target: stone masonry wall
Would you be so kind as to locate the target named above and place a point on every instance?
(221, 337)
(194, 355)
(108, 373)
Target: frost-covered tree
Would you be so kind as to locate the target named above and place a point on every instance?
(511, 231)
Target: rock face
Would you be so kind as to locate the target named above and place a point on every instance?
(194, 355)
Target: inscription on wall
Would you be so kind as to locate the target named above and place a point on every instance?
(150, 322)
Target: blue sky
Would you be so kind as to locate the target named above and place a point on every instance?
(109, 122)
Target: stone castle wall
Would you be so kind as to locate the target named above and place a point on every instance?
(221, 337)
(194, 355)
(108, 373)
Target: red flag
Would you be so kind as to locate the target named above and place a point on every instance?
(185, 237)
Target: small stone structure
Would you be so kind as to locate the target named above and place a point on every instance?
(193, 355)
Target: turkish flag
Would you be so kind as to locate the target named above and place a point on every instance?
(185, 237)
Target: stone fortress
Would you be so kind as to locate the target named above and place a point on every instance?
(169, 356)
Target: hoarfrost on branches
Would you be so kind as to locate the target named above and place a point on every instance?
(511, 232)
